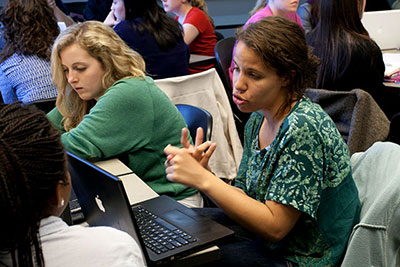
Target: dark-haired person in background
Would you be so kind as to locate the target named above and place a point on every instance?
(349, 57)
(35, 187)
(158, 38)
(97, 9)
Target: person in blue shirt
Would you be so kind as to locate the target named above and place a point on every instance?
(30, 29)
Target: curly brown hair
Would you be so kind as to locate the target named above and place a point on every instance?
(30, 28)
(281, 45)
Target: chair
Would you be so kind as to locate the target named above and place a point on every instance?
(206, 90)
(394, 132)
(357, 116)
(375, 240)
(223, 54)
(197, 117)
(46, 105)
(219, 36)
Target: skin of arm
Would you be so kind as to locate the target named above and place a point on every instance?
(60, 16)
(190, 33)
(272, 220)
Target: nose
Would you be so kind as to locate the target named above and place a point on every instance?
(71, 77)
(239, 82)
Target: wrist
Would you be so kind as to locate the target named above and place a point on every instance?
(207, 181)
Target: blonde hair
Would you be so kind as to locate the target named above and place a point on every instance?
(103, 44)
(259, 5)
(201, 4)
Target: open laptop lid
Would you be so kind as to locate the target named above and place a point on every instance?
(102, 198)
(383, 27)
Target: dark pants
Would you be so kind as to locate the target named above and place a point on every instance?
(244, 248)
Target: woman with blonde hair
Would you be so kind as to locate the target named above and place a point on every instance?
(106, 106)
(198, 27)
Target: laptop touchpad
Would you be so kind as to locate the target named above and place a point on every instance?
(179, 218)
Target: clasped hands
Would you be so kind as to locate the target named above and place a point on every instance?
(189, 165)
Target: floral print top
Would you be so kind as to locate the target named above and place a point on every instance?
(307, 166)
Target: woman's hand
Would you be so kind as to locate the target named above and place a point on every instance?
(183, 168)
(110, 19)
(200, 151)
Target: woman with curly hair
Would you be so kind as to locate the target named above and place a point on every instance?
(106, 107)
(294, 192)
(30, 29)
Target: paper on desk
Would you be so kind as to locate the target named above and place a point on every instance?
(392, 62)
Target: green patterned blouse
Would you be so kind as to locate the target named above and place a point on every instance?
(307, 166)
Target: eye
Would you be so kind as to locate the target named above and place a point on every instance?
(80, 69)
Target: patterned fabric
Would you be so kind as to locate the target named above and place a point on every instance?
(307, 166)
(26, 78)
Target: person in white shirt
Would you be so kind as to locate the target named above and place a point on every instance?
(35, 187)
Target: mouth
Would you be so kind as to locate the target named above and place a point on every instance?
(238, 100)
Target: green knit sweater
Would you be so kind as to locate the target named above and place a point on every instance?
(133, 118)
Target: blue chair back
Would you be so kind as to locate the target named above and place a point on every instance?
(196, 117)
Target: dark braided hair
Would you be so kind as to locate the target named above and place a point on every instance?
(32, 163)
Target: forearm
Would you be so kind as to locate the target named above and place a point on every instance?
(248, 212)
(62, 17)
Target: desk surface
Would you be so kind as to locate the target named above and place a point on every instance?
(200, 60)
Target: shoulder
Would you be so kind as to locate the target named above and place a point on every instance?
(131, 91)
(113, 247)
(309, 119)
(195, 14)
(262, 13)
(128, 86)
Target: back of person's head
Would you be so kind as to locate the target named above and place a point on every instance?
(103, 44)
(342, 15)
(167, 31)
(338, 30)
(281, 45)
(32, 164)
(29, 28)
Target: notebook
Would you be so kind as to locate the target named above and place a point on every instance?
(383, 27)
(104, 202)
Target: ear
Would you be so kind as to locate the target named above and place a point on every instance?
(288, 78)
(59, 199)
(62, 194)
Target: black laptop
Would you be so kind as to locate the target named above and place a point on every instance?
(168, 230)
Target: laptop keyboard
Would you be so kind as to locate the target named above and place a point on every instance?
(159, 235)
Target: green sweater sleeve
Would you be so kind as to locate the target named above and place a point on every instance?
(119, 122)
(55, 118)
